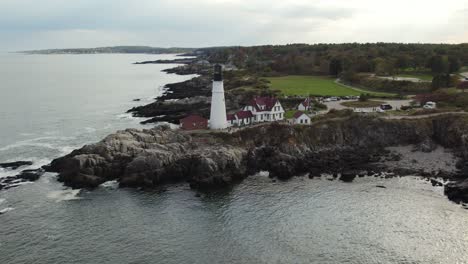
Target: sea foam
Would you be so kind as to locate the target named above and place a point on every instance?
(110, 184)
(8, 209)
(64, 195)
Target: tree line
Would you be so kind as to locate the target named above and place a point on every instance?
(384, 59)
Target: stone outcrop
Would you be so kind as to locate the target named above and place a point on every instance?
(344, 146)
(25, 176)
(15, 165)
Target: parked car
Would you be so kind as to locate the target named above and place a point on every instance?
(386, 107)
(430, 105)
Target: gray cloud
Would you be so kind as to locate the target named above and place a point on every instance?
(30, 24)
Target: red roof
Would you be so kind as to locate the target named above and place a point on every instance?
(244, 114)
(267, 102)
(463, 85)
(298, 114)
(231, 117)
(193, 119)
(306, 102)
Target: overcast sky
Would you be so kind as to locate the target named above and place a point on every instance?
(39, 24)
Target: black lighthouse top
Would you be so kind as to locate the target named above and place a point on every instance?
(218, 73)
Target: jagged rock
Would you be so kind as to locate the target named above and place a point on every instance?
(31, 175)
(25, 176)
(362, 174)
(457, 191)
(427, 145)
(15, 165)
(436, 183)
(348, 176)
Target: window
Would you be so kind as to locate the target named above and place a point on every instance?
(301, 121)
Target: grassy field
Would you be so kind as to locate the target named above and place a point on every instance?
(365, 104)
(421, 76)
(313, 85)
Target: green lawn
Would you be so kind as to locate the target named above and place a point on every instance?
(313, 85)
(421, 76)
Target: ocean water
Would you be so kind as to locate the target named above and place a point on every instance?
(52, 104)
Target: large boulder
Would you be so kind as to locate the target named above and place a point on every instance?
(457, 191)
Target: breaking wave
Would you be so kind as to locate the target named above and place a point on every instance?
(64, 195)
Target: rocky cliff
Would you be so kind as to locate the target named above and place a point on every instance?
(343, 145)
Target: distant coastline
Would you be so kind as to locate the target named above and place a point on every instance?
(112, 50)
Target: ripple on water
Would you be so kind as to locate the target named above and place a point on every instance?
(299, 221)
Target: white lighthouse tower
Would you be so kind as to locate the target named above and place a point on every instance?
(218, 118)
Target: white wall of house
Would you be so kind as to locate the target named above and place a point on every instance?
(276, 113)
(241, 122)
(244, 121)
(302, 120)
(301, 107)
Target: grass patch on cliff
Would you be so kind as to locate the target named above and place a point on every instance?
(422, 76)
(365, 104)
(289, 114)
(312, 85)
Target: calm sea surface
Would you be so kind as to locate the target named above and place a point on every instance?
(50, 105)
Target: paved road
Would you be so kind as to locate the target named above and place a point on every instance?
(396, 104)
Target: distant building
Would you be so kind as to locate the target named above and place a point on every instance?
(301, 118)
(193, 122)
(305, 105)
(265, 109)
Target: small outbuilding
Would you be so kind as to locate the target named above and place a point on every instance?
(193, 122)
(305, 105)
(241, 118)
(231, 118)
(301, 118)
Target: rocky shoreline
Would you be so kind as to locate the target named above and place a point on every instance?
(344, 148)
(177, 102)
(192, 96)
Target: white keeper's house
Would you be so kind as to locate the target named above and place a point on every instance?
(265, 109)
